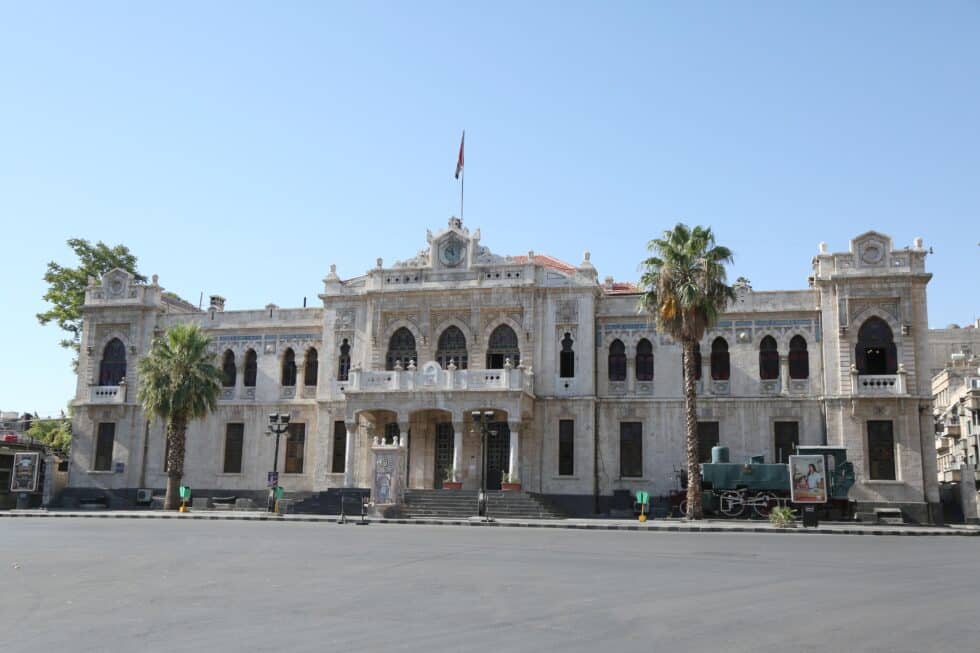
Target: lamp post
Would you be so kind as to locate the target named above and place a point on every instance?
(481, 418)
(278, 424)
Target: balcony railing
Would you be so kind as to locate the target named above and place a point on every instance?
(433, 378)
(881, 384)
(108, 394)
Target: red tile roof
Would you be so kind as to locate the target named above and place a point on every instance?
(546, 261)
(621, 288)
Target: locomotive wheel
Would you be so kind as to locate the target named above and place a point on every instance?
(763, 504)
(731, 504)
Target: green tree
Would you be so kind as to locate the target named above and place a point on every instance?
(54, 432)
(66, 285)
(178, 382)
(685, 289)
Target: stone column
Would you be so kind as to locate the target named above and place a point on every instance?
(706, 374)
(515, 452)
(458, 450)
(349, 453)
(784, 374)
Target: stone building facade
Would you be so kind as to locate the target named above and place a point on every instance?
(585, 394)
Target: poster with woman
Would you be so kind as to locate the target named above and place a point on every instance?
(808, 479)
(24, 478)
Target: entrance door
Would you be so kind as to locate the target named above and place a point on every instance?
(444, 451)
(498, 453)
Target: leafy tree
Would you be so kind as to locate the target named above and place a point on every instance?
(685, 290)
(179, 382)
(54, 432)
(66, 285)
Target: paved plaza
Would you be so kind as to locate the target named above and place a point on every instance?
(180, 585)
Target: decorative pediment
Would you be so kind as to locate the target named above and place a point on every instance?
(116, 284)
(871, 249)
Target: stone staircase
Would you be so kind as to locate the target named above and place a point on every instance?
(461, 504)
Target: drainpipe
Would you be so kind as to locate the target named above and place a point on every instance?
(146, 444)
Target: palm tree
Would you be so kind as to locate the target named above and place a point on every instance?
(684, 288)
(179, 382)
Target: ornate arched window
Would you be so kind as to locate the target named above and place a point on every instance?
(566, 358)
(617, 361)
(401, 348)
(228, 370)
(501, 346)
(720, 366)
(343, 362)
(289, 367)
(112, 369)
(251, 369)
(876, 353)
(310, 367)
(768, 359)
(644, 360)
(452, 347)
(799, 358)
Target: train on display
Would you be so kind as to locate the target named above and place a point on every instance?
(756, 487)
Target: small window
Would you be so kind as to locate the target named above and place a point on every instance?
(310, 367)
(251, 369)
(630, 449)
(295, 447)
(787, 438)
(234, 443)
(104, 442)
(229, 372)
(799, 358)
(289, 368)
(644, 360)
(617, 361)
(720, 366)
(566, 359)
(339, 465)
(343, 362)
(881, 450)
(707, 439)
(566, 447)
(768, 359)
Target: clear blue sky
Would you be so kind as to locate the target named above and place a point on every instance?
(240, 148)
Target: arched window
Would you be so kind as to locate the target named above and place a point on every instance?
(617, 361)
(644, 360)
(228, 369)
(289, 368)
(501, 346)
(112, 369)
(401, 348)
(566, 358)
(799, 359)
(310, 367)
(251, 369)
(452, 347)
(720, 366)
(343, 363)
(876, 353)
(768, 359)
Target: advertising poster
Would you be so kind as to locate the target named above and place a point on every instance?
(808, 479)
(24, 477)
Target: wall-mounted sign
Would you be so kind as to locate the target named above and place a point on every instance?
(808, 479)
(26, 468)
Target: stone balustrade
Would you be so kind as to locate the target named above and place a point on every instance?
(880, 384)
(108, 394)
(431, 377)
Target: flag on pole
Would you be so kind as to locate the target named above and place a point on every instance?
(459, 163)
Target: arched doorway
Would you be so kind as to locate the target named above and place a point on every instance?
(876, 352)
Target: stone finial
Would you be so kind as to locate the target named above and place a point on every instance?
(608, 282)
(917, 243)
(411, 365)
(332, 275)
(530, 255)
(217, 303)
(155, 280)
(398, 365)
(587, 255)
(507, 364)
(380, 263)
(452, 365)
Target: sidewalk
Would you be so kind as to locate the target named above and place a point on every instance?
(597, 524)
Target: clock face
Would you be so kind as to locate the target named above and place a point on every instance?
(451, 252)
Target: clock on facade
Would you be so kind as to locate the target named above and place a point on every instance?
(451, 252)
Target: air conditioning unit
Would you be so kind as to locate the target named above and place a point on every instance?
(144, 495)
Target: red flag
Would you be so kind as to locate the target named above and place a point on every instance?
(459, 163)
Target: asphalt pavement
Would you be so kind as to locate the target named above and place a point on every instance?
(188, 585)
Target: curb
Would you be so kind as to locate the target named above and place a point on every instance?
(555, 525)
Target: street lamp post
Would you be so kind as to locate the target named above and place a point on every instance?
(278, 424)
(482, 420)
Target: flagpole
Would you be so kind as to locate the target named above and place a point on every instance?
(462, 184)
